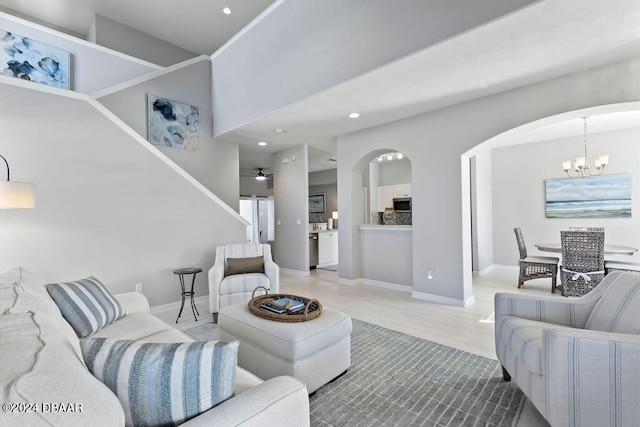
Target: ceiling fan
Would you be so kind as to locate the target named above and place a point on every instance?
(261, 176)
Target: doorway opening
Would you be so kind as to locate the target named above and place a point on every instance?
(259, 212)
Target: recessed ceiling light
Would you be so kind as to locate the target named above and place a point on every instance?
(262, 143)
(399, 156)
(389, 157)
(354, 115)
(226, 11)
(279, 130)
(379, 158)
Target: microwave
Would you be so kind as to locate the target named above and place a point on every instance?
(402, 204)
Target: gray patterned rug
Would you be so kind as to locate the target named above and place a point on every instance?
(400, 380)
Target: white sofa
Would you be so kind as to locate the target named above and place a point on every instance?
(576, 359)
(45, 381)
(228, 287)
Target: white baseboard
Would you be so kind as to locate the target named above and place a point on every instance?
(505, 267)
(294, 272)
(370, 282)
(176, 305)
(486, 270)
(444, 300)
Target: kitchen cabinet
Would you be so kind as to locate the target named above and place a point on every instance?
(386, 194)
(327, 248)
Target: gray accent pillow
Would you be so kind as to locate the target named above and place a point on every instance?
(161, 384)
(245, 265)
(86, 304)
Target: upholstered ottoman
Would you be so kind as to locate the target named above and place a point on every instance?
(315, 351)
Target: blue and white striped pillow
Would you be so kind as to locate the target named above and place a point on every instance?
(86, 304)
(163, 383)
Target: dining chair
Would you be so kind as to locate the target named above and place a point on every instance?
(586, 228)
(535, 267)
(582, 261)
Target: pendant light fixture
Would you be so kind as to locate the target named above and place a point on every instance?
(581, 164)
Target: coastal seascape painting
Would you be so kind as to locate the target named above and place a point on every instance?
(172, 124)
(606, 196)
(29, 59)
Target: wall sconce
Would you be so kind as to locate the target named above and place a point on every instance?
(16, 195)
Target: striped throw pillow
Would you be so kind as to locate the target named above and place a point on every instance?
(86, 304)
(161, 384)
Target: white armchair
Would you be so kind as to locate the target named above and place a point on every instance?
(576, 359)
(237, 271)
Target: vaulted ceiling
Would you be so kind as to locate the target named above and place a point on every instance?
(546, 40)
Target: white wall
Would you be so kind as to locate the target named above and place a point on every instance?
(327, 176)
(441, 224)
(216, 163)
(282, 58)
(395, 172)
(519, 174)
(250, 186)
(106, 206)
(93, 67)
(330, 199)
(482, 210)
(387, 256)
(114, 35)
(292, 208)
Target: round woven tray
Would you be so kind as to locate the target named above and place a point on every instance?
(312, 310)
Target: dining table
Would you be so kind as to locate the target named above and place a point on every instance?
(608, 249)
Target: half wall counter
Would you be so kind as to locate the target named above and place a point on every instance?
(387, 254)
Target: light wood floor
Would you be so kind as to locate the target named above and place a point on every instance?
(470, 329)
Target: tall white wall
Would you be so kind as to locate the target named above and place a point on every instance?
(282, 58)
(519, 174)
(216, 163)
(114, 35)
(106, 206)
(290, 190)
(441, 224)
(482, 210)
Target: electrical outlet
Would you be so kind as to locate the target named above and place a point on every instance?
(429, 272)
(139, 287)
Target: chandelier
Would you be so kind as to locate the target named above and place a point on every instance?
(581, 164)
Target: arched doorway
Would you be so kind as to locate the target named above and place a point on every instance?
(493, 210)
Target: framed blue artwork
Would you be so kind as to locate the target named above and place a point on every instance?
(29, 59)
(316, 204)
(172, 124)
(606, 196)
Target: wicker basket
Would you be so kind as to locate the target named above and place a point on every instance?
(312, 310)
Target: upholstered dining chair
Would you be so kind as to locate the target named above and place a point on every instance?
(237, 271)
(535, 267)
(582, 261)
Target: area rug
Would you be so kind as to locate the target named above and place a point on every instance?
(396, 379)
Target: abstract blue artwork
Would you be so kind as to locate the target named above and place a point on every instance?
(172, 124)
(606, 196)
(28, 59)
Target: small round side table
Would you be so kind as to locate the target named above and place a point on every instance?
(181, 272)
